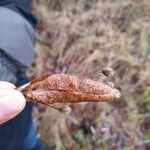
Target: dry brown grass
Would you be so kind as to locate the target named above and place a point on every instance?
(77, 36)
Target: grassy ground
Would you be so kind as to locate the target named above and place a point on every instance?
(79, 36)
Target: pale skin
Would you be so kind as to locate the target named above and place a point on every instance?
(12, 102)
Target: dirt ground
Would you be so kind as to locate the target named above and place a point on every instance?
(79, 37)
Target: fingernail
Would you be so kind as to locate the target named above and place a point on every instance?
(9, 105)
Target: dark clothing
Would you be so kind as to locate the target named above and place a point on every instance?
(14, 132)
(22, 7)
(17, 36)
(17, 39)
(18, 133)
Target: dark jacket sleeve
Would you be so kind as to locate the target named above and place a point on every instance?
(22, 7)
(17, 31)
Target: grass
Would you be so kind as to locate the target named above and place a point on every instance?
(77, 37)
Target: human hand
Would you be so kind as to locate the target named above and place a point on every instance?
(12, 101)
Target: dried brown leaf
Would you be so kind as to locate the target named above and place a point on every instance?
(63, 88)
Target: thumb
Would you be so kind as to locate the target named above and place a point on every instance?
(12, 103)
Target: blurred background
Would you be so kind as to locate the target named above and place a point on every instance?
(79, 36)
